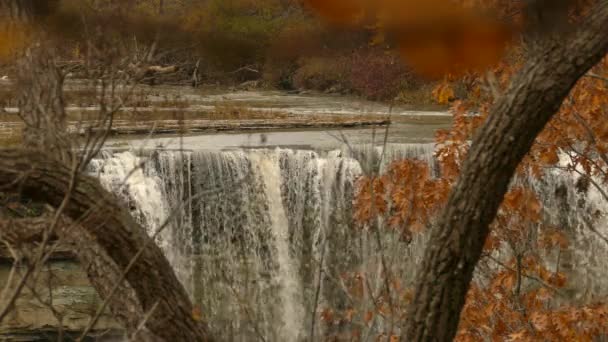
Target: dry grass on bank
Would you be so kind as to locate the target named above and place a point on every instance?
(10, 139)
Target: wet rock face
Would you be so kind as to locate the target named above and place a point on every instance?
(64, 285)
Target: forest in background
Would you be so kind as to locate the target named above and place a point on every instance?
(538, 112)
(276, 44)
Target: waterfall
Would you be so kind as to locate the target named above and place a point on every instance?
(253, 228)
(262, 238)
(287, 273)
(577, 207)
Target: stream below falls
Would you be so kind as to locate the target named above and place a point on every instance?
(261, 232)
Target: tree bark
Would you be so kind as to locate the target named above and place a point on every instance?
(102, 220)
(23, 234)
(25, 11)
(456, 243)
(16, 10)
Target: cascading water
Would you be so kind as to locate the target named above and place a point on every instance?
(287, 272)
(576, 206)
(252, 228)
(262, 238)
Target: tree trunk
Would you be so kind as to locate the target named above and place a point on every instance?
(456, 243)
(26, 11)
(16, 10)
(102, 220)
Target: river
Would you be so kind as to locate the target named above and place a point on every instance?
(266, 239)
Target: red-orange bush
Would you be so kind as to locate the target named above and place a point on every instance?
(379, 75)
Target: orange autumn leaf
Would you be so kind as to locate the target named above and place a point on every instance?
(521, 335)
(443, 93)
(552, 238)
(524, 203)
(350, 313)
(327, 315)
(492, 243)
(549, 157)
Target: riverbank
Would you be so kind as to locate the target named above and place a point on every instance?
(61, 303)
(10, 131)
(185, 110)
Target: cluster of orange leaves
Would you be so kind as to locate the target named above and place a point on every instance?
(580, 128)
(497, 314)
(520, 301)
(407, 194)
(434, 37)
(354, 322)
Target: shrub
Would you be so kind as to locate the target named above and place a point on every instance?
(323, 73)
(378, 75)
(235, 33)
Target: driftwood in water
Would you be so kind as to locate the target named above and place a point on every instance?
(193, 126)
(176, 126)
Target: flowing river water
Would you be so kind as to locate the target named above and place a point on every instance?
(264, 235)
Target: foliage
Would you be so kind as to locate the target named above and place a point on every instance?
(285, 45)
(406, 194)
(322, 73)
(520, 298)
(237, 32)
(379, 75)
(517, 296)
(434, 37)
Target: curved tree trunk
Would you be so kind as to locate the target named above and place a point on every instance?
(109, 237)
(456, 243)
(23, 234)
(103, 221)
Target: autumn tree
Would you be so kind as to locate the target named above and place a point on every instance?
(555, 64)
(558, 54)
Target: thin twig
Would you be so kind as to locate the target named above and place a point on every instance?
(596, 76)
(132, 262)
(531, 277)
(145, 319)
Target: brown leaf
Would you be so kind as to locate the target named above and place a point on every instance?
(341, 12)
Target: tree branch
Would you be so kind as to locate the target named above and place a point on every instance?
(102, 219)
(456, 243)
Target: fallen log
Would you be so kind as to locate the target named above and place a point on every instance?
(120, 127)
